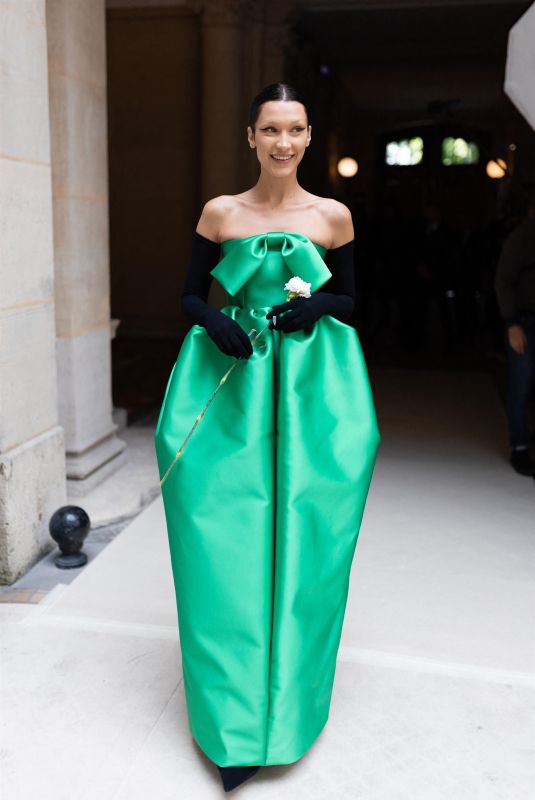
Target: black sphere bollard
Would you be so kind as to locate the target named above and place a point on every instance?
(69, 526)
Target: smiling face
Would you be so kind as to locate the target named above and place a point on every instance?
(281, 135)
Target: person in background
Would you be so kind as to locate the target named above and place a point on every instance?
(515, 291)
(435, 274)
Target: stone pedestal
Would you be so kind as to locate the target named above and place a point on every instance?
(77, 85)
(32, 460)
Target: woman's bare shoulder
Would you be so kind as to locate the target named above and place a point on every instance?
(213, 213)
(339, 219)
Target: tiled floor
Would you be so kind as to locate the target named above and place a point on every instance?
(434, 693)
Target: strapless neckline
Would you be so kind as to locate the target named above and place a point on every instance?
(259, 235)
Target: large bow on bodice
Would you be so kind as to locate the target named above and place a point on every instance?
(246, 255)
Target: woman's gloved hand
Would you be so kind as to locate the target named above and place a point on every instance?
(302, 313)
(298, 314)
(337, 298)
(227, 334)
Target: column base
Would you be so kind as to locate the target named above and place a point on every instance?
(90, 468)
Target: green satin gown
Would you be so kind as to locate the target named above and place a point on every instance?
(264, 507)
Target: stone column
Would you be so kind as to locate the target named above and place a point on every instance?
(277, 37)
(32, 455)
(275, 40)
(223, 130)
(252, 81)
(78, 125)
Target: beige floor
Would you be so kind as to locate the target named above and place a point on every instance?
(434, 693)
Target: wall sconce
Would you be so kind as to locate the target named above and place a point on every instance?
(347, 167)
(496, 169)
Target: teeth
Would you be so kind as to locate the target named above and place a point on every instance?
(282, 158)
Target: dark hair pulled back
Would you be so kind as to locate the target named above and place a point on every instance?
(275, 91)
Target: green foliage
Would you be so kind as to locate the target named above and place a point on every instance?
(458, 151)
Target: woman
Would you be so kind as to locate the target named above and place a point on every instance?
(264, 506)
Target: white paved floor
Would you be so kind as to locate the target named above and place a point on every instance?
(434, 693)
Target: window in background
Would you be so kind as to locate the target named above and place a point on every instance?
(458, 151)
(405, 152)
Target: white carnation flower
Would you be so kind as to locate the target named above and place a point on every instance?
(298, 287)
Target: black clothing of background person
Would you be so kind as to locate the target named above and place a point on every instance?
(515, 290)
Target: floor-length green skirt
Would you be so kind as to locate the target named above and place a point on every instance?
(263, 509)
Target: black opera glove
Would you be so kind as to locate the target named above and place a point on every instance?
(337, 299)
(224, 331)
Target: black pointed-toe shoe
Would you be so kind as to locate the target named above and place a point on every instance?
(234, 776)
(522, 462)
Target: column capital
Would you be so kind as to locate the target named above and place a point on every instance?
(220, 12)
(254, 11)
(277, 36)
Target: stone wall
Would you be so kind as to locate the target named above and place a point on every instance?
(32, 457)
